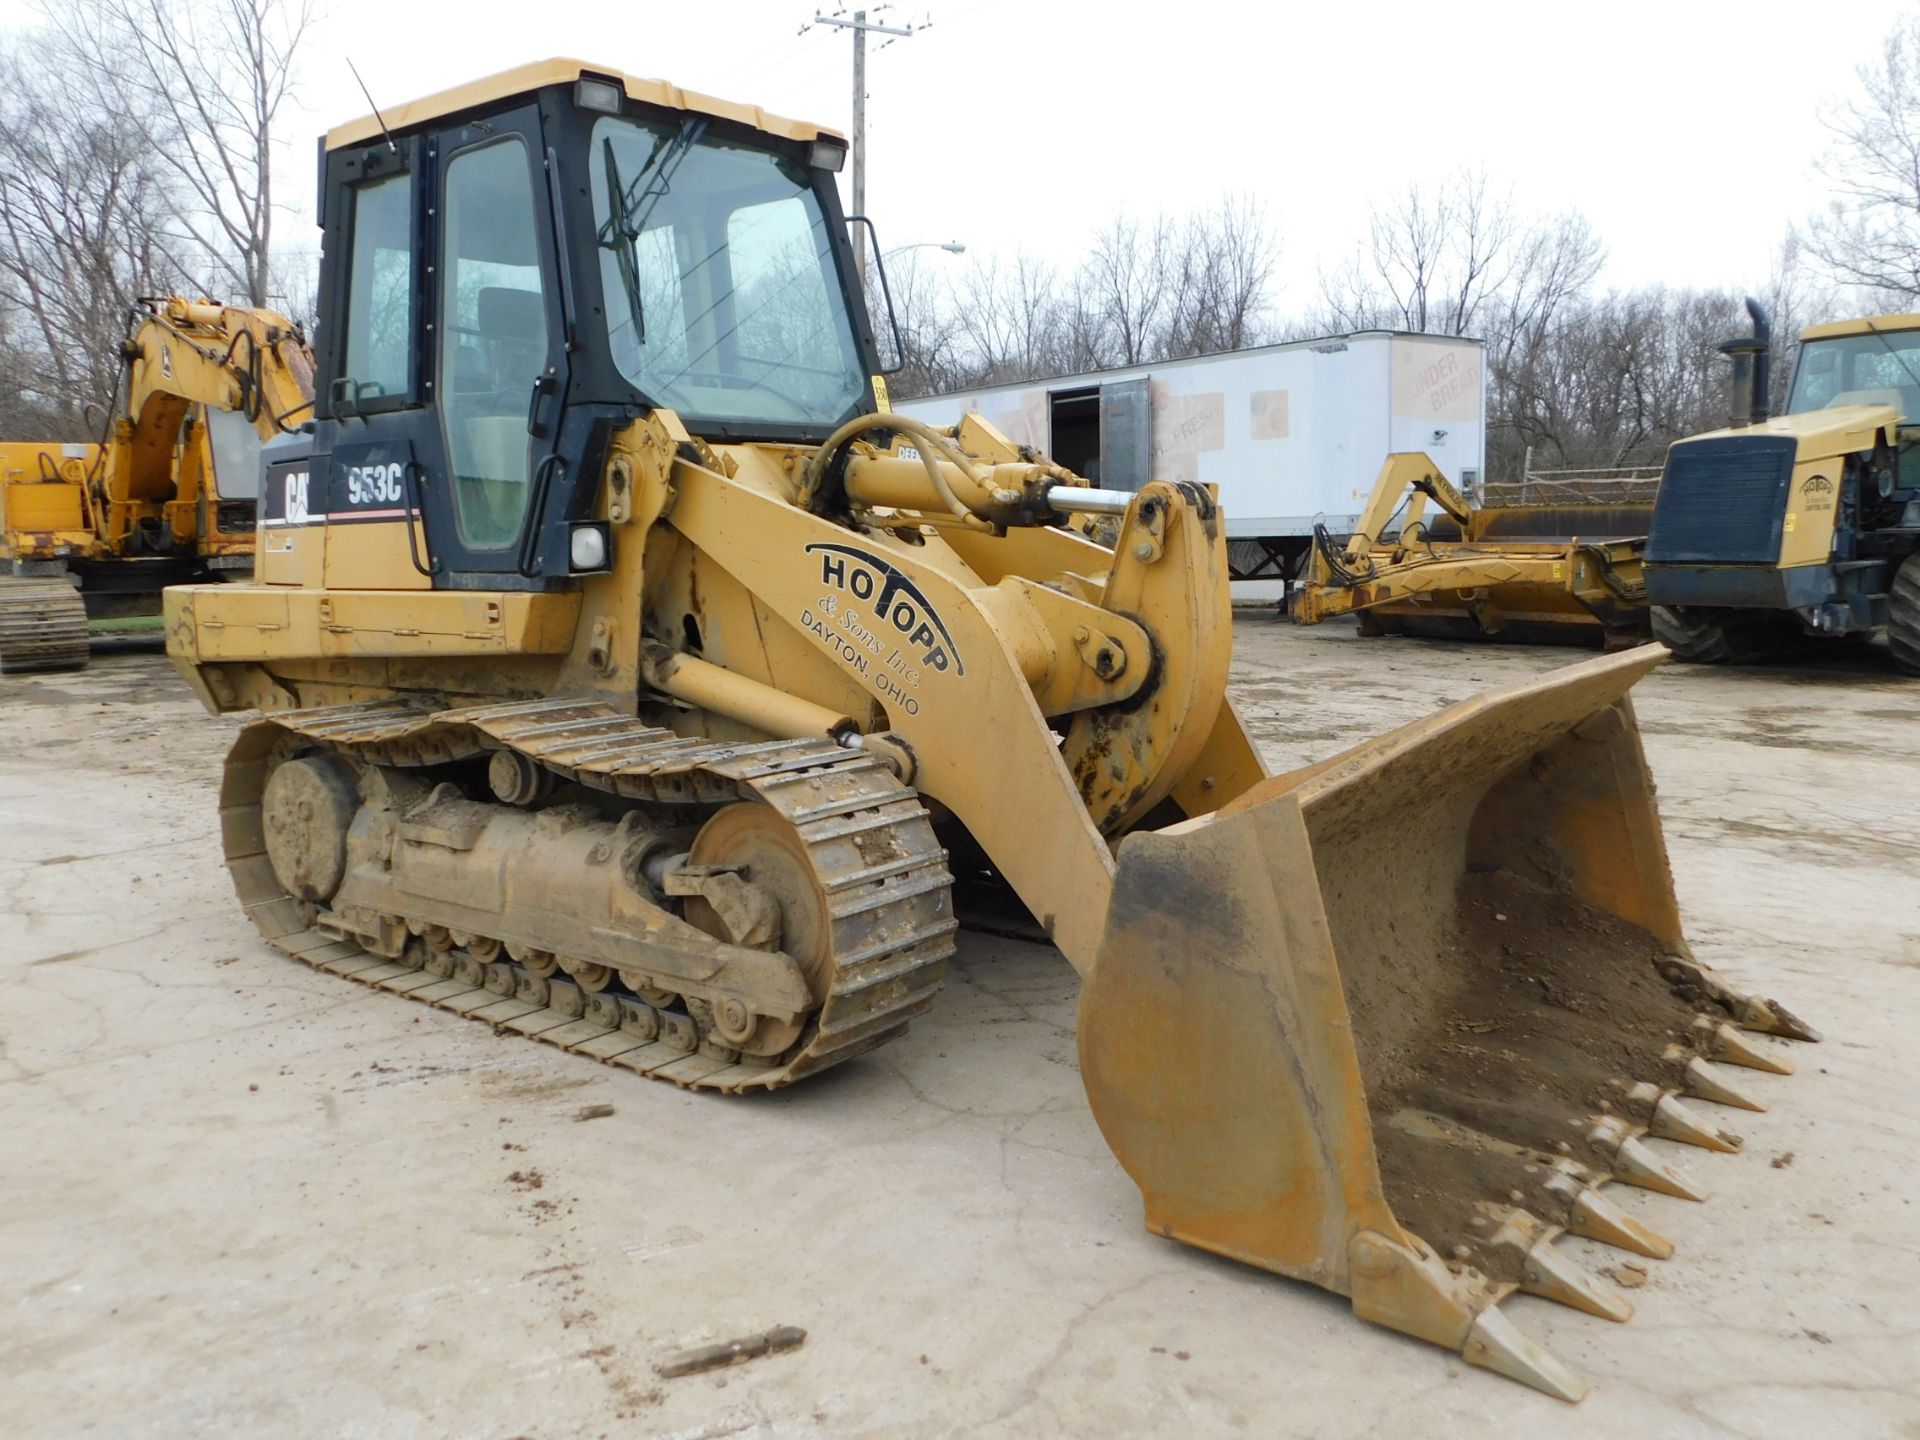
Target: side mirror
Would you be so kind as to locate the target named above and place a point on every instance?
(896, 362)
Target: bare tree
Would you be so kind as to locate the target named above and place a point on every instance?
(929, 359)
(1795, 297)
(1431, 262)
(1007, 319)
(1870, 234)
(1126, 277)
(1148, 290)
(209, 77)
(84, 212)
(1218, 272)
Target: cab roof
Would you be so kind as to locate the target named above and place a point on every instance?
(524, 79)
(1865, 325)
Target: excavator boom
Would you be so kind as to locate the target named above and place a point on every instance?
(169, 494)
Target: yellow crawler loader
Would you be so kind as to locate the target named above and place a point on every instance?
(627, 670)
(95, 532)
(1558, 573)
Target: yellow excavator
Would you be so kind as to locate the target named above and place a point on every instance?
(1558, 573)
(95, 532)
(627, 673)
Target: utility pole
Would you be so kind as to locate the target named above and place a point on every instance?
(860, 25)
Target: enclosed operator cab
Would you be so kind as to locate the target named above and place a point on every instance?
(517, 268)
(1804, 524)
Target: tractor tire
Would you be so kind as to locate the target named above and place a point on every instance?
(1903, 616)
(1693, 639)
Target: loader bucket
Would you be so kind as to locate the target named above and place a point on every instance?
(1389, 1024)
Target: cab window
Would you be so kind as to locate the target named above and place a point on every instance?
(379, 327)
(493, 339)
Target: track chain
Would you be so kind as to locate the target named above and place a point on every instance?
(870, 841)
(43, 625)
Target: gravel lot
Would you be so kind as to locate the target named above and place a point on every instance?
(243, 1198)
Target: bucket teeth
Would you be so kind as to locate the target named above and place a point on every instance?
(1750, 1012)
(1673, 1120)
(1636, 1164)
(1770, 1017)
(1595, 1217)
(1706, 1083)
(1554, 1275)
(1734, 1048)
(1496, 1343)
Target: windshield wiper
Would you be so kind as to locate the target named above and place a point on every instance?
(631, 207)
(613, 237)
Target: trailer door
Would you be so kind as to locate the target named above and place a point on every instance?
(1126, 434)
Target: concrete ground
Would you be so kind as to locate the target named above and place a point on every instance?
(242, 1198)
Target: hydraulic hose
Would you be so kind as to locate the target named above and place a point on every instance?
(930, 441)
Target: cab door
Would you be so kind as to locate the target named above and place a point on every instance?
(449, 371)
(498, 352)
(346, 516)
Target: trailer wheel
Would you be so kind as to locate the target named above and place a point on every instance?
(1903, 615)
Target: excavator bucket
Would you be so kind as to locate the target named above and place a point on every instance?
(1392, 1022)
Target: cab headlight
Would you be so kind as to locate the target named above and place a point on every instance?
(589, 547)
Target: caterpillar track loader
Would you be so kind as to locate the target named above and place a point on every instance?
(1780, 532)
(1527, 572)
(97, 531)
(628, 672)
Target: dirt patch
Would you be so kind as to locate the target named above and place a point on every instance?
(1554, 1011)
(538, 1087)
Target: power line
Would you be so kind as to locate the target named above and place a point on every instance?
(776, 56)
(860, 27)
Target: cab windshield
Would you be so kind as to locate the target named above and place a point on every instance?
(720, 293)
(1881, 368)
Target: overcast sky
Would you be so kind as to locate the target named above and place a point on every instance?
(1688, 131)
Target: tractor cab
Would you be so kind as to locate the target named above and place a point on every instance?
(514, 269)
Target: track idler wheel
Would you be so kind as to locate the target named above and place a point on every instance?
(308, 804)
(757, 887)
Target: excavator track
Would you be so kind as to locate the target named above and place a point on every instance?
(889, 890)
(43, 625)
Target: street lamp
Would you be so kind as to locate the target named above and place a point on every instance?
(952, 247)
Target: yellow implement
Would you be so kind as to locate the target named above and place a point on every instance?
(1561, 573)
(97, 531)
(628, 673)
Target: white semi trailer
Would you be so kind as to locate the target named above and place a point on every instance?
(1292, 434)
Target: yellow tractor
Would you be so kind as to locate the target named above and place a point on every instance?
(1558, 573)
(95, 532)
(1779, 532)
(627, 671)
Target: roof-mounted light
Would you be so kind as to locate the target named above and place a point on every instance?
(827, 155)
(605, 96)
